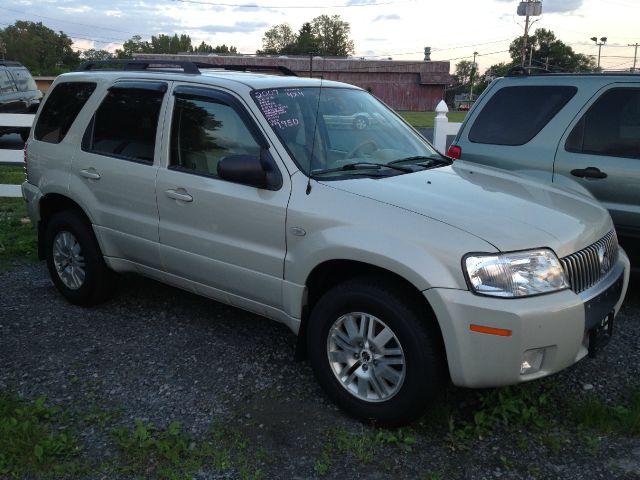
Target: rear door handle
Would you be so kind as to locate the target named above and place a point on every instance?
(90, 173)
(589, 172)
(179, 194)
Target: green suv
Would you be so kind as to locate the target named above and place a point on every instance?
(577, 131)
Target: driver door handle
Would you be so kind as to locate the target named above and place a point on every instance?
(90, 173)
(179, 194)
(589, 172)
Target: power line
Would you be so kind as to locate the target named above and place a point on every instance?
(64, 21)
(278, 7)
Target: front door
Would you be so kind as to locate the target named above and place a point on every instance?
(226, 236)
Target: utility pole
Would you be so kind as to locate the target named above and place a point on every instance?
(527, 9)
(603, 40)
(635, 55)
(473, 70)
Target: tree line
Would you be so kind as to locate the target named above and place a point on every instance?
(47, 52)
(544, 52)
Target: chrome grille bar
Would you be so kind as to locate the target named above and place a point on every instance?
(586, 267)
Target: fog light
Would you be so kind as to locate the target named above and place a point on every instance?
(532, 361)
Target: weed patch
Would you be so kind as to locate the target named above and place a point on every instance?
(32, 441)
(17, 235)
(594, 414)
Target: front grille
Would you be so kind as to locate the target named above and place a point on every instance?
(586, 267)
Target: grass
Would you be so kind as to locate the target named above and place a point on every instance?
(17, 235)
(33, 441)
(594, 414)
(425, 119)
(11, 175)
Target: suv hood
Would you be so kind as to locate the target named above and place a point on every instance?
(509, 211)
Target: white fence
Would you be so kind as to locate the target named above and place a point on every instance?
(442, 127)
(10, 156)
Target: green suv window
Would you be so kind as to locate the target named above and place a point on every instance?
(514, 115)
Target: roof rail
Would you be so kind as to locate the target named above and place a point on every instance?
(159, 63)
(521, 71)
(155, 64)
(10, 63)
(251, 68)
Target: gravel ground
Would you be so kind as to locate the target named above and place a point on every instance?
(159, 354)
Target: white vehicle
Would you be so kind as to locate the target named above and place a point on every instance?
(398, 269)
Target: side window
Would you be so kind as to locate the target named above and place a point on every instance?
(6, 83)
(61, 109)
(514, 115)
(204, 131)
(24, 80)
(610, 127)
(125, 124)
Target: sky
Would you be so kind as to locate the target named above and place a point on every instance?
(399, 29)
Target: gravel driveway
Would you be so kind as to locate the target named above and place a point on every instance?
(159, 354)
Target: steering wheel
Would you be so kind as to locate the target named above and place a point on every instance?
(356, 151)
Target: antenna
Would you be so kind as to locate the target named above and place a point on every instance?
(313, 141)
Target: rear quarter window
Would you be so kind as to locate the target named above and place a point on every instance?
(6, 83)
(61, 109)
(514, 115)
(24, 80)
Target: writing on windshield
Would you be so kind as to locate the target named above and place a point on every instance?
(276, 110)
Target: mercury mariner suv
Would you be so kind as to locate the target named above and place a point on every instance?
(398, 269)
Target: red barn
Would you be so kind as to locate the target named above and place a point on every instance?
(404, 85)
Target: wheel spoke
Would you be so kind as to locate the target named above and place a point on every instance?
(342, 341)
(383, 338)
(350, 326)
(388, 373)
(340, 356)
(378, 385)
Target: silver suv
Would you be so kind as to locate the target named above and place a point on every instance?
(397, 269)
(579, 131)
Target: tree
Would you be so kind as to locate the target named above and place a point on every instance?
(465, 69)
(206, 48)
(132, 46)
(95, 55)
(324, 35)
(549, 52)
(332, 34)
(280, 39)
(40, 49)
(306, 43)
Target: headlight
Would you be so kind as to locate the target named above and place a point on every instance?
(517, 274)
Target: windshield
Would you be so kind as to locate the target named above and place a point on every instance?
(328, 129)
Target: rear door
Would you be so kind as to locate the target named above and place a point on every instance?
(226, 236)
(115, 173)
(601, 151)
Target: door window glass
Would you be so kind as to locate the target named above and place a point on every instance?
(61, 109)
(125, 125)
(514, 115)
(6, 84)
(611, 126)
(205, 131)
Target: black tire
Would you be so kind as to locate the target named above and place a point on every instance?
(99, 281)
(416, 332)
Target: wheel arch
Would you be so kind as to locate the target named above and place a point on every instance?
(49, 205)
(330, 273)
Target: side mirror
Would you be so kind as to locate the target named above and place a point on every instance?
(256, 171)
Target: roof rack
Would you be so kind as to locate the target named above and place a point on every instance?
(520, 71)
(251, 68)
(158, 64)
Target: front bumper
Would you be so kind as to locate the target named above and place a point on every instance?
(557, 322)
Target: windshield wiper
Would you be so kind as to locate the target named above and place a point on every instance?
(430, 163)
(349, 167)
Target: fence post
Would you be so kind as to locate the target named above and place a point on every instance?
(441, 127)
